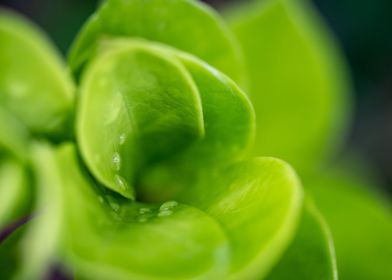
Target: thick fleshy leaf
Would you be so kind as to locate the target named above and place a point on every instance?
(42, 236)
(110, 237)
(298, 82)
(34, 86)
(137, 107)
(14, 191)
(258, 202)
(360, 221)
(187, 25)
(229, 130)
(311, 255)
(10, 253)
(13, 136)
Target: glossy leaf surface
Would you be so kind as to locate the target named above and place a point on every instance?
(311, 255)
(297, 80)
(121, 239)
(186, 25)
(258, 203)
(165, 114)
(34, 86)
(136, 108)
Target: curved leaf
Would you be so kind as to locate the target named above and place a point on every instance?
(121, 239)
(14, 191)
(166, 161)
(311, 255)
(258, 203)
(229, 130)
(10, 253)
(13, 136)
(137, 108)
(360, 221)
(43, 234)
(187, 25)
(34, 86)
(298, 82)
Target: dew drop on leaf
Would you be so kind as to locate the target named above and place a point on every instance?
(116, 160)
(120, 182)
(113, 203)
(144, 210)
(168, 205)
(121, 139)
(165, 213)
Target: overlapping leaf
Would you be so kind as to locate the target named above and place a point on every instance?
(186, 25)
(34, 86)
(360, 220)
(311, 255)
(36, 99)
(297, 80)
(155, 119)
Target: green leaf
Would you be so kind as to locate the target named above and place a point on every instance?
(137, 107)
(175, 126)
(229, 130)
(298, 80)
(14, 191)
(43, 234)
(10, 253)
(228, 116)
(13, 136)
(34, 86)
(360, 221)
(186, 25)
(107, 236)
(311, 255)
(258, 203)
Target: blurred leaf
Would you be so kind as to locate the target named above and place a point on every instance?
(43, 234)
(360, 221)
(311, 255)
(14, 191)
(10, 253)
(34, 86)
(13, 136)
(298, 82)
(187, 25)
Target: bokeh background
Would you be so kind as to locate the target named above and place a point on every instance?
(363, 29)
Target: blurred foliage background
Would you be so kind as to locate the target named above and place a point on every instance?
(363, 28)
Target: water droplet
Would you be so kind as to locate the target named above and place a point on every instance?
(168, 205)
(144, 210)
(116, 159)
(100, 199)
(120, 182)
(165, 213)
(142, 219)
(113, 203)
(122, 138)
